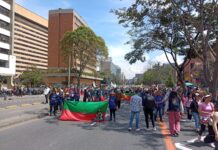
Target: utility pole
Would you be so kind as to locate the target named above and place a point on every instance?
(69, 70)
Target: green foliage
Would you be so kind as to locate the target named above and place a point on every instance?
(84, 47)
(169, 82)
(157, 74)
(33, 77)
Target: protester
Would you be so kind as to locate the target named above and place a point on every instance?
(112, 106)
(159, 105)
(53, 102)
(135, 106)
(174, 109)
(187, 105)
(206, 110)
(194, 110)
(46, 93)
(148, 104)
(118, 97)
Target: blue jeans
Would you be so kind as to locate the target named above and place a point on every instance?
(132, 115)
(197, 119)
(159, 111)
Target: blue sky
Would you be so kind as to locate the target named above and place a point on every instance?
(105, 24)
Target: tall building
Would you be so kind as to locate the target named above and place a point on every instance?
(61, 21)
(7, 59)
(108, 67)
(30, 40)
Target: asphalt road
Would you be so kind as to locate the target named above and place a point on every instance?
(27, 99)
(50, 133)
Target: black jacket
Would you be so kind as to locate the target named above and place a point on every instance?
(194, 106)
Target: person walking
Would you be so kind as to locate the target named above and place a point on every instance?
(148, 104)
(135, 107)
(112, 106)
(118, 97)
(174, 109)
(46, 93)
(187, 105)
(206, 110)
(194, 110)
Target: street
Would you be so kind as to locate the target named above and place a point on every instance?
(50, 133)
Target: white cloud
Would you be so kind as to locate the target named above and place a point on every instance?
(162, 59)
(117, 52)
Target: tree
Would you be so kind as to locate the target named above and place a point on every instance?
(82, 48)
(32, 76)
(155, 26)
(169, 82)
(200, 25)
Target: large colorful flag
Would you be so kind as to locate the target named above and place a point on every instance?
(127, 96)
(83, 111)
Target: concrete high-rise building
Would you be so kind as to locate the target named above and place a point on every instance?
(30, 40)
(61, 21)
(7, 59)
(108, 67)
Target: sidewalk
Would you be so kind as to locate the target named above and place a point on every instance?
(12, 116)
(21, 98)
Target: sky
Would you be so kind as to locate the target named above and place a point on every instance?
(97, 15)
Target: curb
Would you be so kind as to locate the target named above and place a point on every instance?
(22, 119)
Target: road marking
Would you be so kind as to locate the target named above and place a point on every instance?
(25, 105)
(11, 107)
(167, 139)
(36, 103)
(182, 147)
(2, 109)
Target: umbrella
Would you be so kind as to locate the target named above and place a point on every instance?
(189, 84)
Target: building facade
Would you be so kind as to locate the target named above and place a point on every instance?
(60, 22)
(108, 67)
(30, 40)
(7, 58)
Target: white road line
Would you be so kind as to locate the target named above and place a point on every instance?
(182, 147)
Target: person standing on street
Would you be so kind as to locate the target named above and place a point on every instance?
(159, 105)
(118, 97)
(215, 128)
(46, 93)
(194, 110)
(206, 110)
(53, 102)
(174, 109)
(112, 106)
(148, 104)
(135, 106)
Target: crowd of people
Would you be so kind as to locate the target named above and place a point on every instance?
(153, 101)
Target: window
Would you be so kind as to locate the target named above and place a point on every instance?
(4, 11)
(4, 63)
(4, 51)
(4, 25)
(4, 38)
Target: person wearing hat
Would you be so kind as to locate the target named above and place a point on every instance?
(206, 110)
(112, 105)
(194, 110)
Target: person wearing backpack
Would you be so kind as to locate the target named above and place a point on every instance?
(112, 106)
(174, 110)
(148, 103)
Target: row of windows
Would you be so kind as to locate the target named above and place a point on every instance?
(16, 29)
(29, 54)
(4, 38)
(19, 39)
(30, 64)
(30, 38)
(28, 50)
(4, 51)
(4, 11)
(30, 59)
(4, 25)
(16, 43)
(31, 24)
